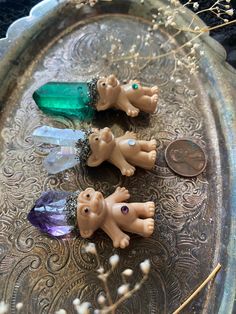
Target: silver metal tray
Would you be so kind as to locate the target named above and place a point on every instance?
(195, 221)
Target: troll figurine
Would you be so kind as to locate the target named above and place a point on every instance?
(59, 213)
(130, 97)
(82, 99)
(94, 146)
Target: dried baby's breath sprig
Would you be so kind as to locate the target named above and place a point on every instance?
(167, 17)
(105, 301)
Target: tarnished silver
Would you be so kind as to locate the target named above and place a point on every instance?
(195, 218)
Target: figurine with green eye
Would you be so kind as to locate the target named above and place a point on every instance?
(82, 99)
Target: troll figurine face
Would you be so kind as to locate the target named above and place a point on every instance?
(131, 97)
(95, 146)
(58, 213)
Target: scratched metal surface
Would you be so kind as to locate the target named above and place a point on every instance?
(192, 230)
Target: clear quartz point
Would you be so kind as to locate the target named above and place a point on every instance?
(60, 159)
(64, 156)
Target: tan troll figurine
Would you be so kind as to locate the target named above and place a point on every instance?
(112, 215)
(130, 97)
(82, 99)
(59, 213)
(92, 147)
(124, 152)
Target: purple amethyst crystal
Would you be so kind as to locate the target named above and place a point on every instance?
(54, 213)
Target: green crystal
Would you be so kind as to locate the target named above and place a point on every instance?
(67, 99)
(135, 86)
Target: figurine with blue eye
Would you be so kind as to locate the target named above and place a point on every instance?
(93, 147)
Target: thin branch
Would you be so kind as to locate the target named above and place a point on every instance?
(205, 282)
(207, 29)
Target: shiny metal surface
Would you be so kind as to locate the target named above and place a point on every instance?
(195, 218)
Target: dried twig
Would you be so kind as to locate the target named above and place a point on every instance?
(205, 282)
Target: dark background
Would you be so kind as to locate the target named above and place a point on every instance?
(10, 10)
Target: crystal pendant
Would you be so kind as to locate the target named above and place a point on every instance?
(51, 213)
(66, 155)
(67, 99)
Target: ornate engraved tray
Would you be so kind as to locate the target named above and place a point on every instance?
(195, 218)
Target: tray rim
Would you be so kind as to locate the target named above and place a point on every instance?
(11, 45)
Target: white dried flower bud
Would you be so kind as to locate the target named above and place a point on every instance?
(78, 6)
(100, 270)
(101, 299)
(3, 307)
(195, 46)
(196, 5)
(113, 48)
(155, 27)
(61, 311)
(114, 260)
(196, 28)
(76, 302)
(84, 308)
(128, 272)
(230, 12)
(228, 1)
(123, 289)
(145, 266)
(226, 20)
(91, 248)
(19, 306)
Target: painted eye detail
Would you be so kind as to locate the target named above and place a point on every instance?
(86, 210)
(88, 195)
(103, 84)
(96, 138)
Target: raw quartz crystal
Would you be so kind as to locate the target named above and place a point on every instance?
(51, 213)
(67, 99)
(65, 155)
